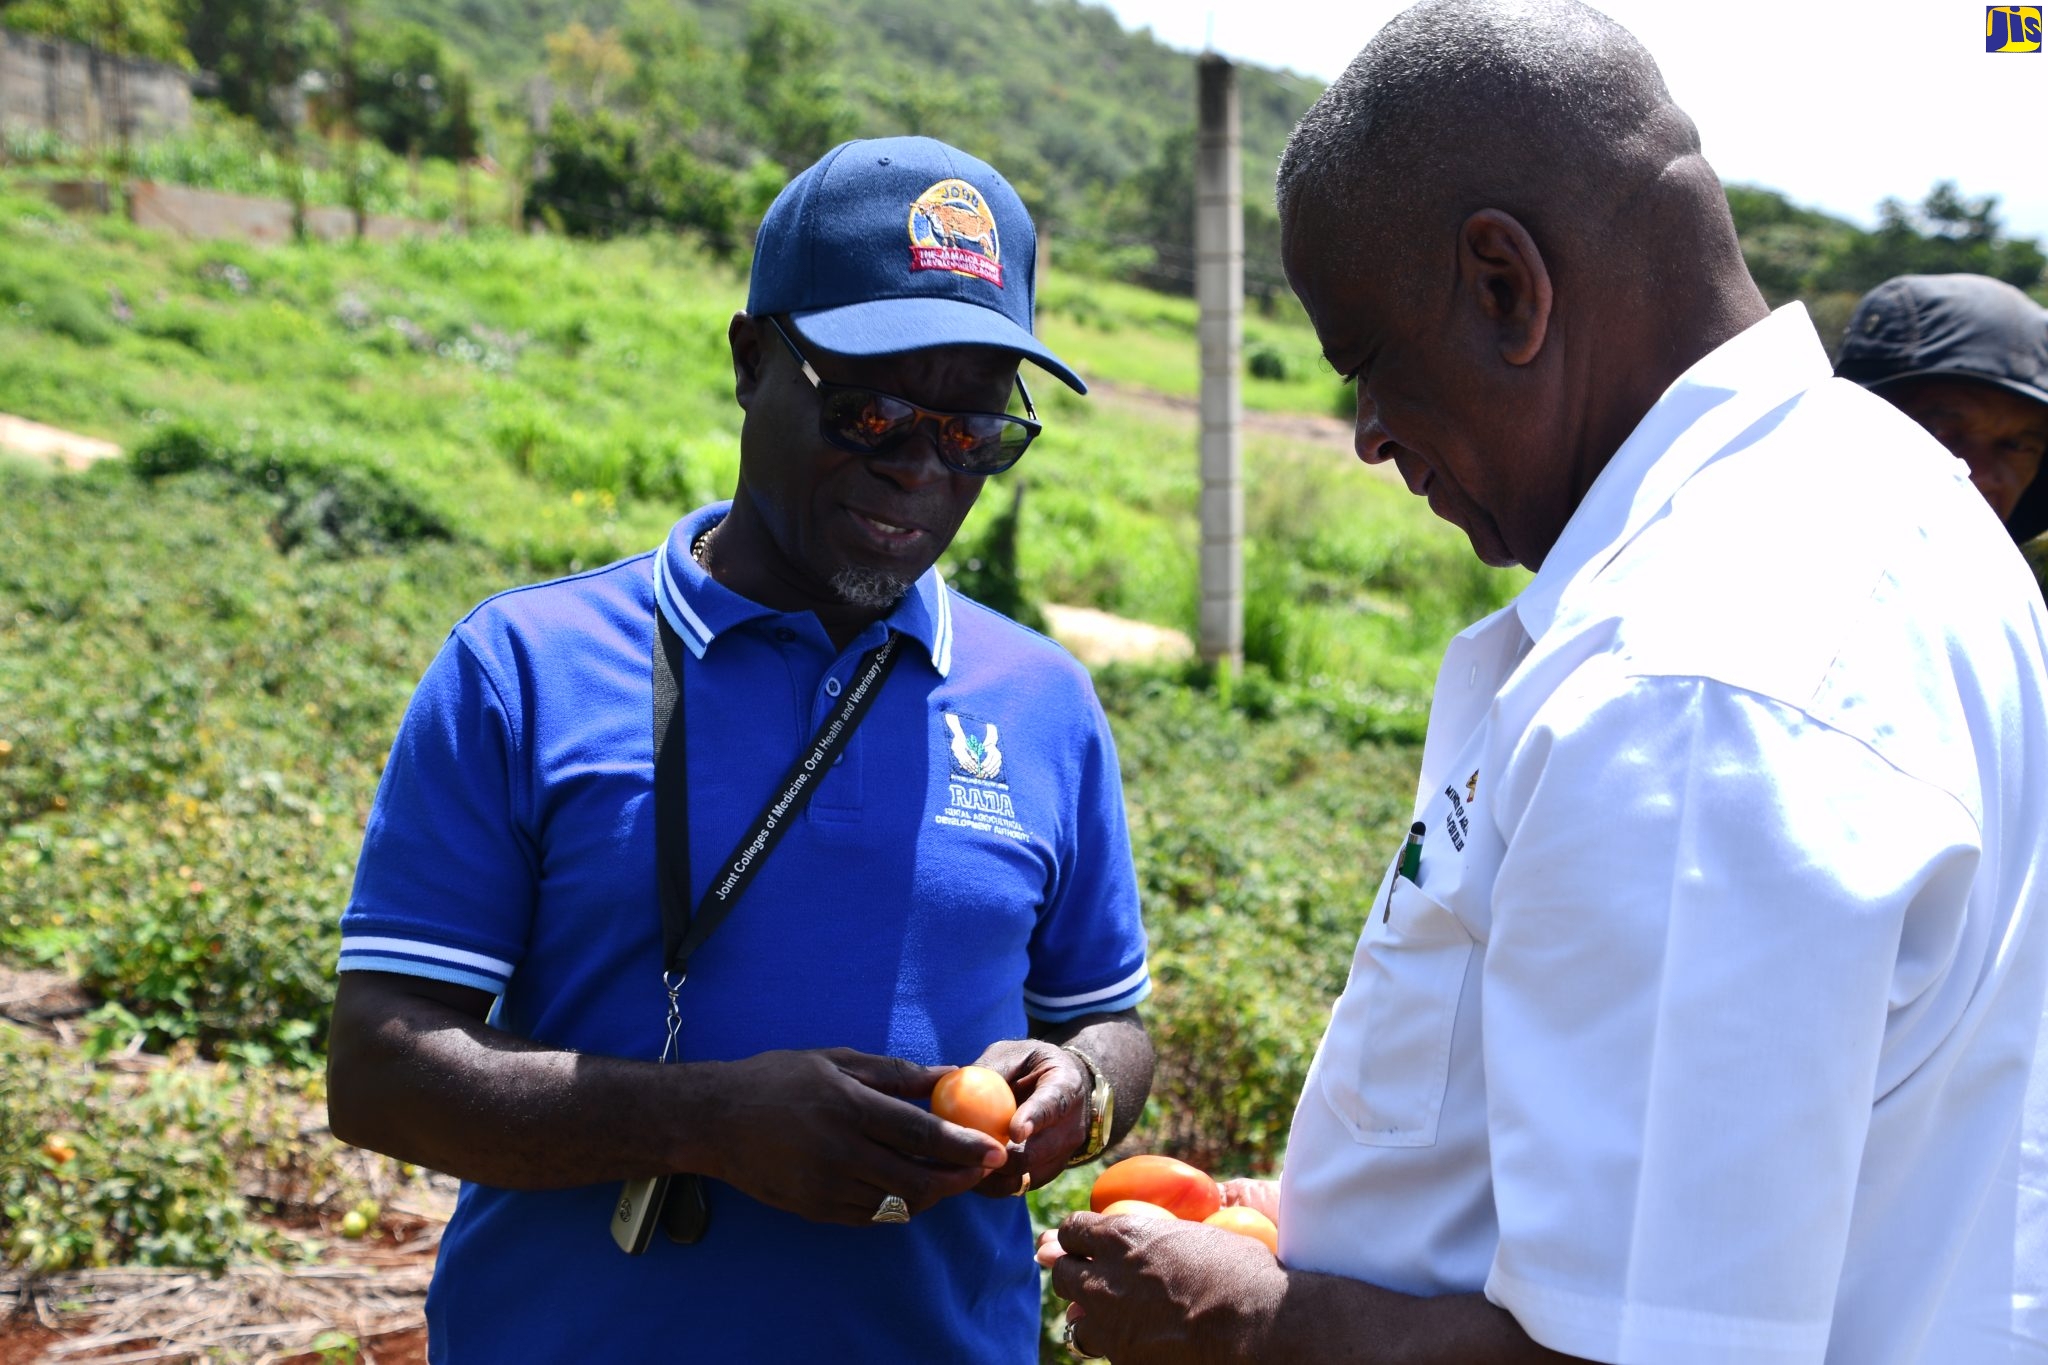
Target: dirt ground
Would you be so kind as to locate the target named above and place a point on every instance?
(372, 1293)
(1305, 431)
(64, 449)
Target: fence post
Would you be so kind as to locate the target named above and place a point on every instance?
(1219, 291)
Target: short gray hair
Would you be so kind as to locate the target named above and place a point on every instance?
(1503, 99)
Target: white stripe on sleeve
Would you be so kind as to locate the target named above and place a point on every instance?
(1059, 1002)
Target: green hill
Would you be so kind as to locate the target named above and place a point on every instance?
(558, 403)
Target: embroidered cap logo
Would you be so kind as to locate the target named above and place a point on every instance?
(951, 228)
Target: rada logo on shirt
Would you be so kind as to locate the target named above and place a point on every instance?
(974, 747)
(978, 795)
(2012, 28)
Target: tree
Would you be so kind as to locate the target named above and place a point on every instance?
(793, 102)
(1783, 244)
(126, 28)
(585, 65)
(1154, 212)
(1948, 233)
(683, 88)
(403, 76)
(592, 182)
(258, 50)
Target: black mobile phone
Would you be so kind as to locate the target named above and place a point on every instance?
(685, 1214)
(637, 1210)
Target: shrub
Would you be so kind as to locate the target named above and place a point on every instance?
(593, 184)
(72, 312)
(192, 739)
(99, 1168)
(1265, 362)
(324, 502)
(169, 1167)
(1255, 881)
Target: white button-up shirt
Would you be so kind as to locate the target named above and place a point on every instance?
(1707, 1030)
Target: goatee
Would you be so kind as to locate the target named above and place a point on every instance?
(872, 589)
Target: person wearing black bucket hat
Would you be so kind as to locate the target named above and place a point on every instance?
(1966, 357)
(914, 802)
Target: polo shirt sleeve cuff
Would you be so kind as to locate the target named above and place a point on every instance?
(1118, 995)
(1623, 1333)
(419, 957)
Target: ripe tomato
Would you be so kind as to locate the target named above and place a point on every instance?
(1175, 1186)
(978, 1098)
(1138, 1208)
(1249, 1222)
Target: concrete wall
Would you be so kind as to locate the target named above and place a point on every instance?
(210, 214)
(207, 213)
(84, 95)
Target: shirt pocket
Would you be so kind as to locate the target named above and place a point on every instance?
(1387, 1062)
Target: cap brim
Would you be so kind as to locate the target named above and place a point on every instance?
(2020, 387)
(893, 326)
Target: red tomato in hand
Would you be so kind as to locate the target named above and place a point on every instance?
(978, 1098)
(1181, 1189)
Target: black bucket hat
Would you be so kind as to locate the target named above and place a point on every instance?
(1958, 327)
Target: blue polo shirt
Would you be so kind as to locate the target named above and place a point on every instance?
(963, 870)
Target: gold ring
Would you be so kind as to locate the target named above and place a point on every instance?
(1024, 1187)
(891, 1210)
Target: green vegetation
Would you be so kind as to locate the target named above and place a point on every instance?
(667, 115)
(106, 1168)
(607, 117)
(235, 156)
(1802, 253)
(151, 29)
(557, 404)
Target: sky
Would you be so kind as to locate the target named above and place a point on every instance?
(1837, 105)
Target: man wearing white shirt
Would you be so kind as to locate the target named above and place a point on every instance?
(1706, 1029)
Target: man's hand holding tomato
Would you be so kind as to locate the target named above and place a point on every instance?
(826, 1135)
(1051, 1124)
(1052, 1086)
(1157, 1290)
(1163, 1290)
(822, 1134)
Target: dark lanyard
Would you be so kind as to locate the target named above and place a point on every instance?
(678, 1201)
(683, 933)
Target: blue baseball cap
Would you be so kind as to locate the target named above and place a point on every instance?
(901, 244)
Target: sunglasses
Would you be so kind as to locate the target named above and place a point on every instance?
(868, 422)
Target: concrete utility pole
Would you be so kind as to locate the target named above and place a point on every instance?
(1219, 290)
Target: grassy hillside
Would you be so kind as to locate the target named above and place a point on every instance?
(559, 403)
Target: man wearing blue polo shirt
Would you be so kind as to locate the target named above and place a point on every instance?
(959, 887)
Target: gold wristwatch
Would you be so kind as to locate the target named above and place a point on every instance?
(1101, 1110)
